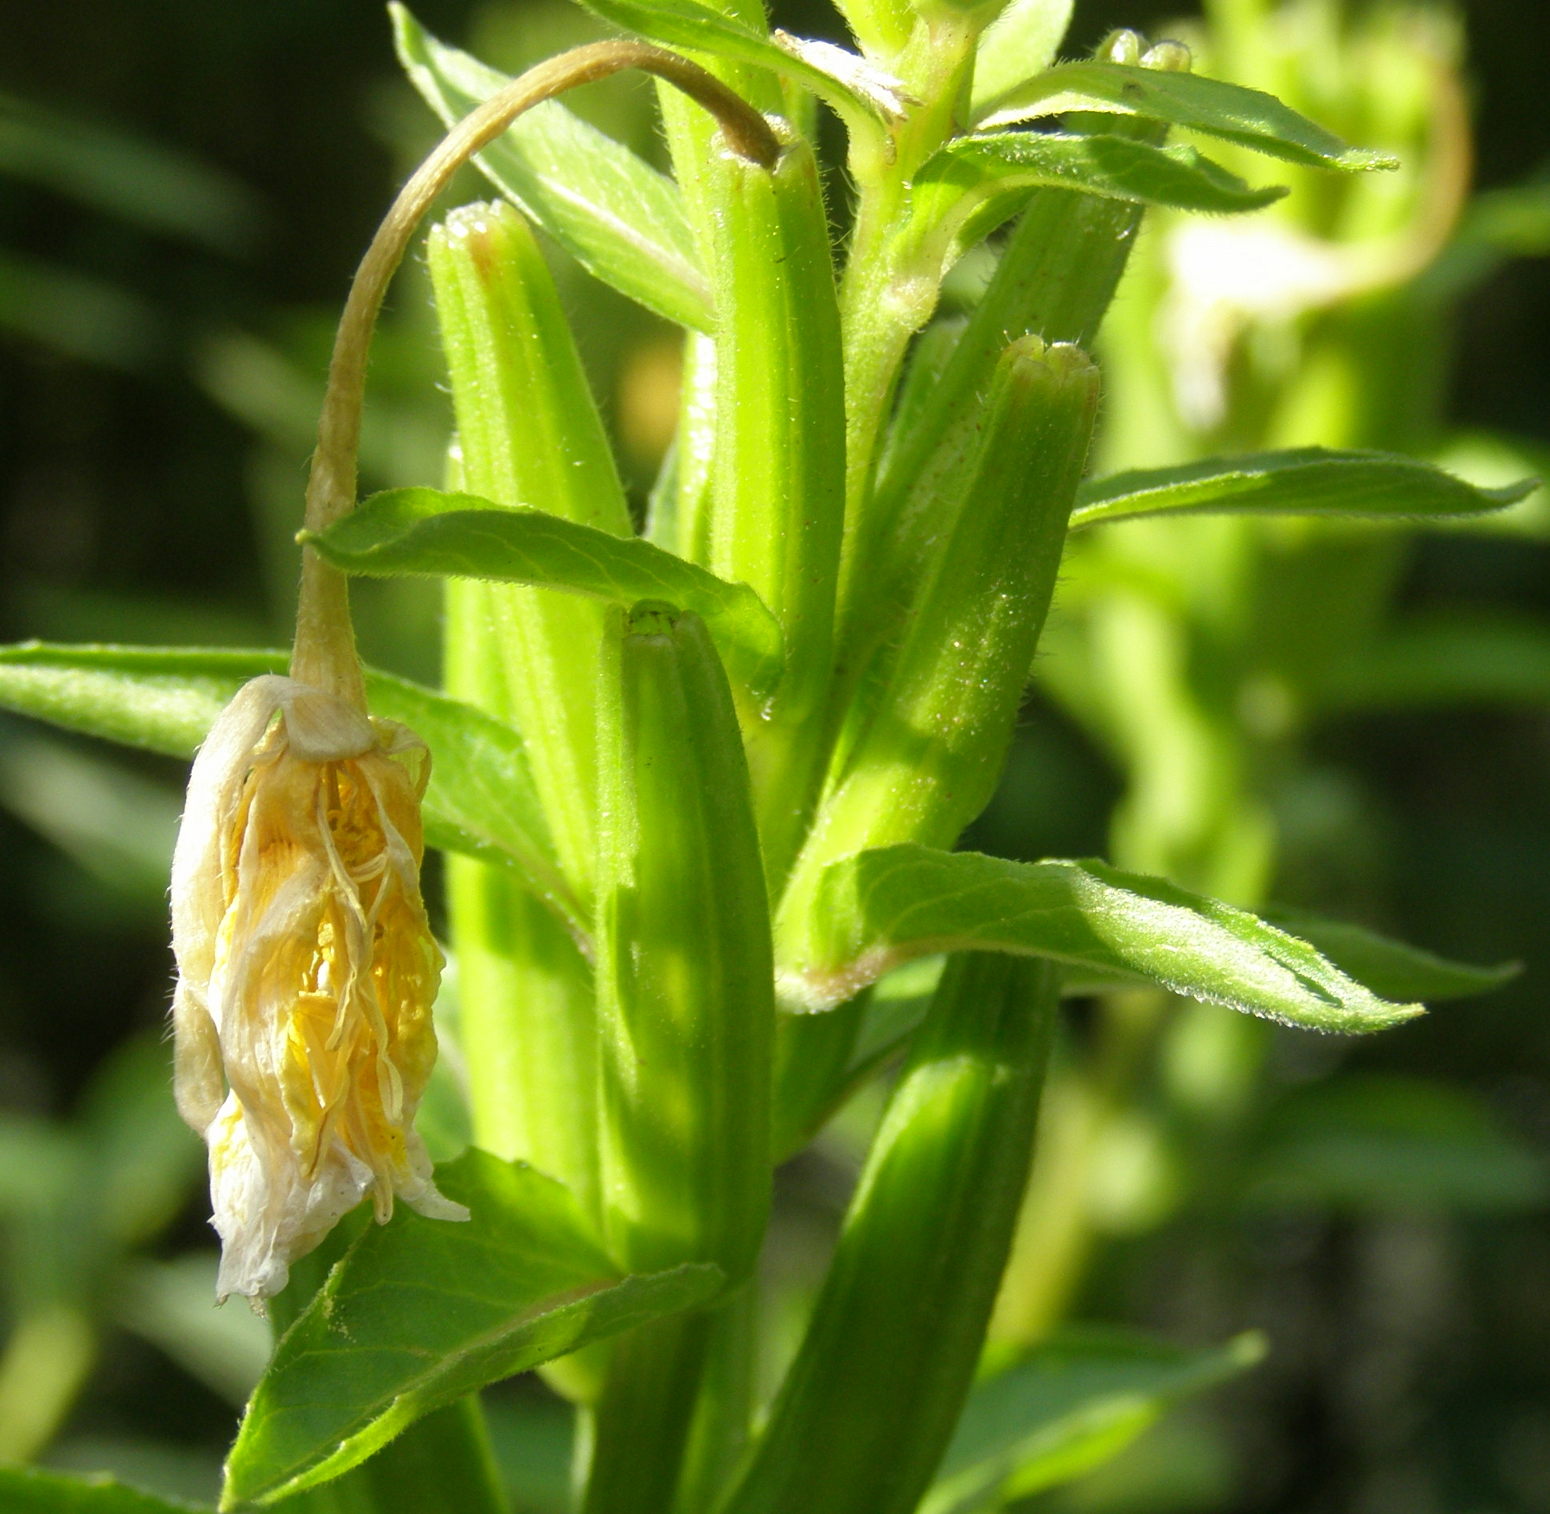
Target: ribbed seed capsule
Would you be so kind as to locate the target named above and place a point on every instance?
(779, 466)
(528, 434)
(932, 714)
(889, 1355)
(685, 998)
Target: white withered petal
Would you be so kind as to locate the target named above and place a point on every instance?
(306, 973)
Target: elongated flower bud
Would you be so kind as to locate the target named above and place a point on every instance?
(306, 973)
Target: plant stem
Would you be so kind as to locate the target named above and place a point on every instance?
(637, 1432)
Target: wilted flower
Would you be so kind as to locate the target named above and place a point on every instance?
(306, 973)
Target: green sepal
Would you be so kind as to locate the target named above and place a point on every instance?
(1298, 481)
(481, 799)
(1248, 117)
(888, 1357)
(684, 976)
(421, 1312)
(616, 215)
(424, 531)
(873, 911)
(1067, 1406)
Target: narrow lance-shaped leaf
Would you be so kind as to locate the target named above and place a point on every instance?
(480, 801)
(883, 907)
(1448, 659)
(30, 1490)
(1390, 967)
(423, 531)
(889, 1354)
(1300, 481)
(620, 218)
(1248, 117)
(419, 1314)
(975, 183)
(1067, 1406)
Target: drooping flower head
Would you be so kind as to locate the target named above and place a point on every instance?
(306, 973)
(306, 969)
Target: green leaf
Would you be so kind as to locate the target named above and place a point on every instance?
(863, 97)
(1020, 42)
(1459, 658)
(1390, 967)
(975, 183)
(421, 1312)
(1388, 1144)
(1300, 481)
(26, 1490)
(1067, 1406)
(164, 699)
(1248, 117)
(424, 531)
(620, 218)
(883, 907)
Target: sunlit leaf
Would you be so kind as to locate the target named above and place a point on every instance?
(421, 1312)
(164, 699)
(1388, 1144)
(1017, 45)
(1468, 657)
(30, 1491)
(1248, 117)
(879, 908)
(1300, 481)
(976, 182)
(424, 531)
(1067, 1406)
(1390, 967)
(619, 217)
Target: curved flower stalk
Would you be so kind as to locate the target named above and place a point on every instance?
(307, 971)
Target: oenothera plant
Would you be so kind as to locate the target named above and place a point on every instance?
(699, 783)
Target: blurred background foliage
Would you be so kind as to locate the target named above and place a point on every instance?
(1337, 720)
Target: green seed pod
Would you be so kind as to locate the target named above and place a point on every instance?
(932, 712)
(684, 980)
(530, 435)
(778, 477)
(871, 1400)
